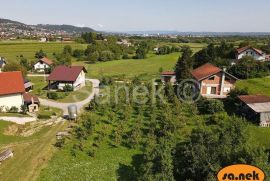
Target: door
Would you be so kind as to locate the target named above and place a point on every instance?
(208, 91)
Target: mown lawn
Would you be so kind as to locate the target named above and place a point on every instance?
(66, 97)
(146, 68)
(255, 86)
(12, 50)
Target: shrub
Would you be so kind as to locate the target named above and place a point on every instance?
(13, 109)
(60, 143)
(210, 106)
(44, 116)
(52, 95)
(68, 88)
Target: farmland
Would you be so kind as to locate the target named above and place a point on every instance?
(130, 68)
(11, 50)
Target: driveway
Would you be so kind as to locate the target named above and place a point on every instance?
(80, 105)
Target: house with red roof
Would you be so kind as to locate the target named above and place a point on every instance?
(43, 64)
(11, 90)
(214, 82)
(168, 77)
(67, 75)
(252, 52)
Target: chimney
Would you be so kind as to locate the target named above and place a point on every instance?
(32, 99)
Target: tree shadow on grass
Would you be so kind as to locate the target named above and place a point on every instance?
(128, 172)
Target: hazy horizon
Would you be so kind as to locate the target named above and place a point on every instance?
(151, 15)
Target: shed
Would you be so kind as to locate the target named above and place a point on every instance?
(256, 108)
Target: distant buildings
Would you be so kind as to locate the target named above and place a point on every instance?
(124, 42)
(62, 76)
(43, 64)
(252, 52)
(214, 82)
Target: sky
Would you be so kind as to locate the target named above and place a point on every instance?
(144, 15)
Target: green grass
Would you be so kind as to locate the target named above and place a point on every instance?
(148, 67)
(49, 111)
(69, 97)
(255, 86)
(259, 136)
(108, 164)
(31, 154)
(12, 50)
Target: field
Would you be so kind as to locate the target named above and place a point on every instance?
(255, 86)
(30, 153)
(146, 68)
(11, 50)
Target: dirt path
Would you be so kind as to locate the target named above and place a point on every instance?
(29, 158)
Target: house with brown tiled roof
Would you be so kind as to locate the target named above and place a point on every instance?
(213, 81)
(62, 76)
(252, 52)
(256, 108)
(43, 64)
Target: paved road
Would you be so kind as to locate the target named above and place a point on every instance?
(80, 105)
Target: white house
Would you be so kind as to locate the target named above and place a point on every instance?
(67, 75)
(43, 64)
(250, 51)
(11, 90)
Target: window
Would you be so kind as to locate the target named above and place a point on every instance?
(213, 90)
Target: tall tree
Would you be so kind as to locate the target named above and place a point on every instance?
(184, 64)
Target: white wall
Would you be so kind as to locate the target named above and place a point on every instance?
(40, 67)
(251, 53)
(11, 100)
(80, 80)
(79, 83)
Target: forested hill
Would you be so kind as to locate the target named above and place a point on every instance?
(66, 28)
(11, 28)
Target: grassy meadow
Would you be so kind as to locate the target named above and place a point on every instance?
(11, 50)
(146, 68)
(255, 86)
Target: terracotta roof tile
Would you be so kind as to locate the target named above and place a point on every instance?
(240, 50)
(11, 83)
(46, 61)
(65, 73)
(205, 71)
(168, 73)
(28, 98)
(251, 99)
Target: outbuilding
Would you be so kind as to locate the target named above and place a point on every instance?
(62, 76)
(256, 108)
